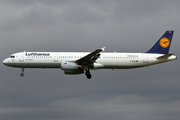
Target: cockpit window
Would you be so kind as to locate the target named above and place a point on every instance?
(12, 56)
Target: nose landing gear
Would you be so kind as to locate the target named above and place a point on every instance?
(22, 74)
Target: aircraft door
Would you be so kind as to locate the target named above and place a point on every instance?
(145, 59)
(21, 57)
(55, 57)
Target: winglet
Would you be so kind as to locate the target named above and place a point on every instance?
(103, 49)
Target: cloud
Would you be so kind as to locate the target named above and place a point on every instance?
(33, 17)
(82, 15)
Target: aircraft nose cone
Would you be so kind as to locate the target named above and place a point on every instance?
(5, 62)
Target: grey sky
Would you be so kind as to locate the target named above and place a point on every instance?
(150, 93)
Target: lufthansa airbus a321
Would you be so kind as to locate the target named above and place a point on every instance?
(79, 62)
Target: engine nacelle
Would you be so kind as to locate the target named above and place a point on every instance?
(69, 66)
(73, 72)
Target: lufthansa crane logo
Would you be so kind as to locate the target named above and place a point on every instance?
(164, 42)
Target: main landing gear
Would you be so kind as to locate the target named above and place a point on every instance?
(88, 74)
(22, 74)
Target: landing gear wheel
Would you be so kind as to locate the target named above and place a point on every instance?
(88, 74)
(22, 74)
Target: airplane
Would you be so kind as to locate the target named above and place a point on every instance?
(74, 63)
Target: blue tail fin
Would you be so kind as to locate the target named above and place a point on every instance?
(163, 44)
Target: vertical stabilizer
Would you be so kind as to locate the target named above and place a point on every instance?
(163, 44)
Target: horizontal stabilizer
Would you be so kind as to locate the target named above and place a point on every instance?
(165, 56)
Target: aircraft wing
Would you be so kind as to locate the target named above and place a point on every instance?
(90, 58)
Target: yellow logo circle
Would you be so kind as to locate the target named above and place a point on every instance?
(164, 42)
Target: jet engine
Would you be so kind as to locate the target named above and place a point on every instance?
(71, 68)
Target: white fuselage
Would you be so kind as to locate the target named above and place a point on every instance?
(79, 62)
(105, 61)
